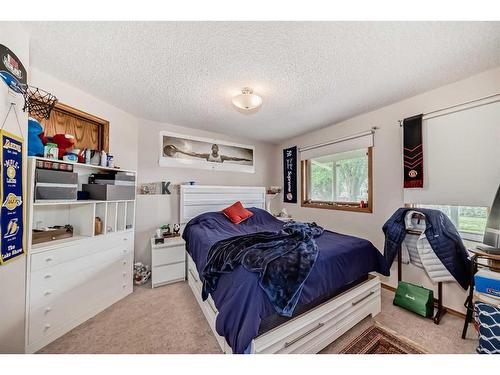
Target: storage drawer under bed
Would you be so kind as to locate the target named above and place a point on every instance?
(311, 331)
(315, 329)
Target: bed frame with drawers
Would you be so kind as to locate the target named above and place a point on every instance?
(309, 332)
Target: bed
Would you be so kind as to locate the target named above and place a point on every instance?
(338, 293)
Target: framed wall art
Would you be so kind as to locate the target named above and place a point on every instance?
(183, 151)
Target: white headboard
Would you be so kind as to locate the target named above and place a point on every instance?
(198, 199)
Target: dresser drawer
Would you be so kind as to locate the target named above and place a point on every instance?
(57, 281)
(168, 273)
(74, 289)
(168, 255)
(68, 252)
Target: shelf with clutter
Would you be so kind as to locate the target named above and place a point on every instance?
(89, 200)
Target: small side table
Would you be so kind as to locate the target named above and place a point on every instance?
(168, 261)
(475, 264)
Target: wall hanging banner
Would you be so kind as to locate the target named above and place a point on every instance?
(290, 175)
(12, 210)
(12, 70)
(413, 157)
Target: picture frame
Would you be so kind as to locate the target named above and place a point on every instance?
(186, 151)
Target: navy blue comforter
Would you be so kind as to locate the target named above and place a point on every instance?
(239, 298)
(283, 260)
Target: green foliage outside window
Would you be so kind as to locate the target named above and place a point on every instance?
(339, 179)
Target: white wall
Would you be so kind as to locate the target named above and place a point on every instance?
(154, 210)
(12, 275)
(387, 170)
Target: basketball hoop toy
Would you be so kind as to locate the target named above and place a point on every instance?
(38, 102)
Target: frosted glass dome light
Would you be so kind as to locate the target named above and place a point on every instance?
(247, 100)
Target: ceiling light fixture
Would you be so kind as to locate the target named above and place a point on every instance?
(247, 100)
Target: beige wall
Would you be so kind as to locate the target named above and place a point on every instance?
(12, 275)
(152, 211)
(387, 172)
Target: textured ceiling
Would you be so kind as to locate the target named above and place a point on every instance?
(309, 74)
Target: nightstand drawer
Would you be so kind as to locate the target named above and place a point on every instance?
(168, 273)
(168, 255)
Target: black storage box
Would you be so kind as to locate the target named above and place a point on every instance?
(55, 192)
(109, 192)
(56, 177)
(54, 185)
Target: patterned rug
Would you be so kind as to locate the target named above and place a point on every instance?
(378, 340)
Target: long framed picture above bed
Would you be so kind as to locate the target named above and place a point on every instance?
(183, 151)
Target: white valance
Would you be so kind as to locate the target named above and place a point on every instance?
(350, 143)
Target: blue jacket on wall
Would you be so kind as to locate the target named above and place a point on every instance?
(442, 236)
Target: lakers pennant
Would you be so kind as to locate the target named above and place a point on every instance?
(12, 209)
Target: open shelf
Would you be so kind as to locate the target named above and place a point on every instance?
(116, 215)
(59, 202)
(111, 218)
(81, 165)
(121, 208)
(100, 212)
(77, 216)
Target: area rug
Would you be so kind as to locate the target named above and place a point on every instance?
(378, 340)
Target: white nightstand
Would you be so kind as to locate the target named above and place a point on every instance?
(168, 261)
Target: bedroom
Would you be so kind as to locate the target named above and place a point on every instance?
(249, 187)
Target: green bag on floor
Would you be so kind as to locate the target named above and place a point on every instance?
(415, 298)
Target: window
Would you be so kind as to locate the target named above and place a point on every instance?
(340, 181)
(469, 221)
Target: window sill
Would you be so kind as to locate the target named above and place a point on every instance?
(338, 207)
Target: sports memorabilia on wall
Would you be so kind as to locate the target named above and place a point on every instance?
(290, 175)
(12, 209)
(194, 152)
(13, 74)
(413, 160)
(12, 70)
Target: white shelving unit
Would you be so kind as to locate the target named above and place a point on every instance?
(70, 280)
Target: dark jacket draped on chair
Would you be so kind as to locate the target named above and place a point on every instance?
(442, 236)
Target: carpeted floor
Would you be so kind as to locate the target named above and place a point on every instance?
(168, 320)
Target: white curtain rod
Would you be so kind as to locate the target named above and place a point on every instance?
(428, 115)
(338, 140)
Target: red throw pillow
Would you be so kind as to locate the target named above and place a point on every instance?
(237, 213)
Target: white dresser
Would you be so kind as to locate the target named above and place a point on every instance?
(70, 280)
(168, 261)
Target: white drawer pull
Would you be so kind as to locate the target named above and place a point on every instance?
(47, 293)
(362, 299)
(47, 326)
(47, 310)
(290, 343)
(47, 276)
(213, 308)
(192, 275)
(49, 259)
(125, 239)
(124, 262)
(124, 250)
(124, 286)
(124, 274)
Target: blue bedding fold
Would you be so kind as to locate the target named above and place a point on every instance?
(239, 298)
(282, 261)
